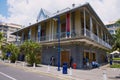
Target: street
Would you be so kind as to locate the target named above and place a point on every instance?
(11, 73)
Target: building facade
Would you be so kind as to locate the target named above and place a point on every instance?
(112, 27)
(75, 32)
(7, 29)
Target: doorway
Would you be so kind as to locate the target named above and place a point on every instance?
(91, 56)
(65, 57)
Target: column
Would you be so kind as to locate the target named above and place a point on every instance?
(17, 38)
(22, 36)
(29, 34)
(84, 23)
(91, 26)
(97, 32)
(39, 32)
(52, 29)
(68, 25)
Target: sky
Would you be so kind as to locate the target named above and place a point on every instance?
(24, 12)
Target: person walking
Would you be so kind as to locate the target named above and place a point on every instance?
(71, 61)
(52, 61)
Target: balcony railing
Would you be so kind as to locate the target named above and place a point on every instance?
(73, 34)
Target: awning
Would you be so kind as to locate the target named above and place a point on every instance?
(115, 52)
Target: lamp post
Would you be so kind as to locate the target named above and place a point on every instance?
(59, 48)
(57, 18)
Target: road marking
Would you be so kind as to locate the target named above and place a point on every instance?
(7, 76)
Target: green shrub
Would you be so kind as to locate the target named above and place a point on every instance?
(116, 58)
(115, 66)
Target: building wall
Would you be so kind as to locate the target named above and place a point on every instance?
(76, 51)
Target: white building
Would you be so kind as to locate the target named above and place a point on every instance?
(112, 27)
(7, 29)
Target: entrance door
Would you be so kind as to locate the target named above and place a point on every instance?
(65, 57)
(90, 56)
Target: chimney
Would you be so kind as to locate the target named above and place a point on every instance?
(73, 5)
(58, 11)
(29, 23)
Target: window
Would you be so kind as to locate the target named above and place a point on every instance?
(5, 26)
(109, 26)
(5, 30)
(111, 31)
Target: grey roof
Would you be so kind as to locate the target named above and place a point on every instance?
(43, 13)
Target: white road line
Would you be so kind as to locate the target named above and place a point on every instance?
(7, 76)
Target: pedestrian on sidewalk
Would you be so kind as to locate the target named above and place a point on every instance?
(71, 61)
(52, 61)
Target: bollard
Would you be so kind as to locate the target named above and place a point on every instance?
(9, 61)
(48, 70)
(70, 71)
(104, 75)
(23, 64)
(34, 65)
(15, 62)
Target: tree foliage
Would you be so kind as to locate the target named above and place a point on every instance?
(1, 39)
(118, 21)
(32, 51)
(12, 49)
(116, 37)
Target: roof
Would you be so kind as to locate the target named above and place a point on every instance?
(10, 25)
(87, 5)
(43, 14)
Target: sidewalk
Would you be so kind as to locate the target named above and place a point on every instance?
(73, 74)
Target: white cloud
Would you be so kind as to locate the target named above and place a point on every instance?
(2, 18)
(26, 11)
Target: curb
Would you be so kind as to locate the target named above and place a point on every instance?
(31, 69)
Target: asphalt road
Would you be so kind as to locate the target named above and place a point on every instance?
(11, 73)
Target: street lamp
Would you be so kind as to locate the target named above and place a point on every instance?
(57, 18)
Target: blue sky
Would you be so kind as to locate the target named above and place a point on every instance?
(3, 8)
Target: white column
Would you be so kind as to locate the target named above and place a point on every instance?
(84, 23)
(70, 25)
(52, 28)
(17, 37)
(91, 26)
(97, 31)
(105, 37)
(50, 25)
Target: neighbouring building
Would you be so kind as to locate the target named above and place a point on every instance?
(112, 27)
(76, 32)
(7, 29)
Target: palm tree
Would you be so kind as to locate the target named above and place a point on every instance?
(1, 39)
(118, 21)
(32, 51)
(1, 43)
(116, 45)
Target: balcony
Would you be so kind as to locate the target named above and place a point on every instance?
(74, 35)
